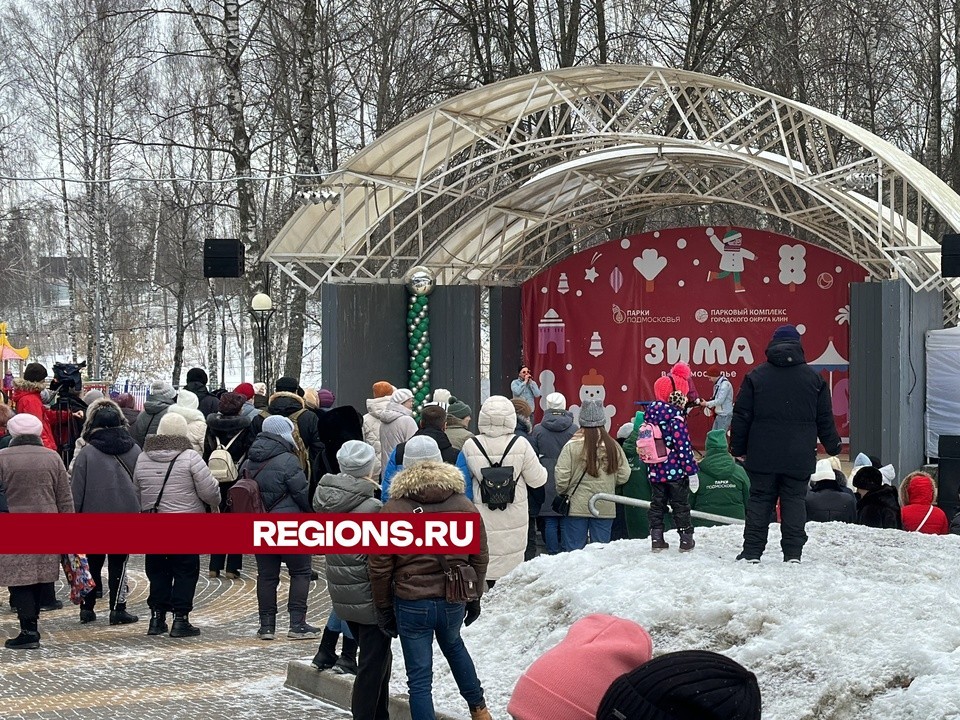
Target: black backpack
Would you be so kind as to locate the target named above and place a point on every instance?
(498, 485)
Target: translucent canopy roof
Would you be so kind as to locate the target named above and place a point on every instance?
(495, 184)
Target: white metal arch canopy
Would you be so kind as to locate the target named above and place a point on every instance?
(495, 184)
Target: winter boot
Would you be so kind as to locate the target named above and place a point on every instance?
(158, 623)
(120, 616)
(182, 627)
(268, 626)
(686, 540)
(748, 559)
(326, 656)
(657, 542)
(230, 575)
(28, 639)
(480, 713)
(347, 663)
(299, 629)
(87, 615)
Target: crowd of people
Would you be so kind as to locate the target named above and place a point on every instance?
(530, 483)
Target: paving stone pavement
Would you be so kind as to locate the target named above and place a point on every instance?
(98, 671)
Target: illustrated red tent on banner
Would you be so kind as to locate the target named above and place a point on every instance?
(831, 361)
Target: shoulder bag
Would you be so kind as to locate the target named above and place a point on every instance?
(461, 584)
(924, 521)
(166, 477)
(561, 503)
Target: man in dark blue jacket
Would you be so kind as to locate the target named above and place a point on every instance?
(783, 407)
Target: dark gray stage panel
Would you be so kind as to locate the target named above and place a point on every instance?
(455, 343)
(888, 322)
(364, 339)
(506, 338)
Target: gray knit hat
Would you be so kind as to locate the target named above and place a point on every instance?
(280, 425)
(163, 391)
(356, 458)
(592, 414)
(420, 448)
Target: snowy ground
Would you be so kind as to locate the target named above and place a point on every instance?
(866, 627)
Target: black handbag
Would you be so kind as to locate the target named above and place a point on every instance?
(561, 503)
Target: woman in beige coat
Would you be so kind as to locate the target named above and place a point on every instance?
(506, 529)
(591, 462)
(171, 477)
(34, 481)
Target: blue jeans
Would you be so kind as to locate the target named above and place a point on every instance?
(722, 422)
(574, 535)
(418, 621)
(551, 534)
(335, 624)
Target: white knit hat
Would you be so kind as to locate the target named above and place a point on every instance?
(556, 401)
(401, 396)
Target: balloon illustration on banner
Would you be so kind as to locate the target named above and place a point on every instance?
(702, 295)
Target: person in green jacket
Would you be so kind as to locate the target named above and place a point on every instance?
(724, 485)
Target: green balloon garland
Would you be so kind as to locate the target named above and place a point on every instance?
(418, 345)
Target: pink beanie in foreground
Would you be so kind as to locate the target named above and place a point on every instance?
(569, 680)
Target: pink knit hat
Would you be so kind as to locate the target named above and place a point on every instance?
(569, 680)
(666, 384)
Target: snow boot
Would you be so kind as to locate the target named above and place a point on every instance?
(120, 616)
(347, 663)
(750, 560)
(28, 639)
(158, 623)
(87, 615)
(182, 627)
(326, 656)
(686, 540)
(299, 629)
(657, 542)
(268, 626)
(480, 713)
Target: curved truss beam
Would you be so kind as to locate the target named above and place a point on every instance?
(493, 185)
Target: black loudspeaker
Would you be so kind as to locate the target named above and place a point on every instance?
(948, 474)
(950, 256)
(222, 258)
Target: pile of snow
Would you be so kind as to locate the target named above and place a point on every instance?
(865, 627)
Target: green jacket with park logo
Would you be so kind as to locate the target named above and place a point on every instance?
(724, 485)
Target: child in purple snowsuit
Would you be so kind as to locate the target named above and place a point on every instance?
(672, 480)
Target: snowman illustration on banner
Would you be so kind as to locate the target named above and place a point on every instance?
(592, 391)
(732, 255)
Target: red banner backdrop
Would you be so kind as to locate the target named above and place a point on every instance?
(609, 321)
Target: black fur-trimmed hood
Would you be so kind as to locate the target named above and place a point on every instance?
(428, 482)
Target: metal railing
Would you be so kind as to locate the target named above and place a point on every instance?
(636, 502)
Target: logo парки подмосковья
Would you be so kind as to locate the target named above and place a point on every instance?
(631, 315)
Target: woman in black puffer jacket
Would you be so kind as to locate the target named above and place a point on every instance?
(272, 463)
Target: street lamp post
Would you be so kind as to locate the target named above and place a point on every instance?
(262, 310)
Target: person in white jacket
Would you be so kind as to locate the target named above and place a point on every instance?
(507, 528)
(188, 407)
(371, 421)
(396, 423)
